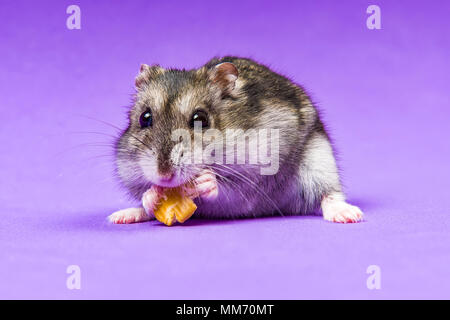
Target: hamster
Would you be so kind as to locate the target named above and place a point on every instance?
(238, 95)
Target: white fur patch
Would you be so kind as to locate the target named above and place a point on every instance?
(153, 95)
(149, 166)
(319, 165)
(239, 84)
(185, 102)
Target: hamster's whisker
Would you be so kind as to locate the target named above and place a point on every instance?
(119, 130)
(243, 178)
(101, 156)
(196, 190)
(93, 161)
(226, 193)
(139, 140)
(238, 187)
(227, 180)
(256, 188)
(83, 145)
(95, 132)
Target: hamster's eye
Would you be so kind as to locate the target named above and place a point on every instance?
(146, 120)
(200, 116)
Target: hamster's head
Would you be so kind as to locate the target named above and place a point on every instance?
(170, 107)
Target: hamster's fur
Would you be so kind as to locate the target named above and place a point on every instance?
(232, 93)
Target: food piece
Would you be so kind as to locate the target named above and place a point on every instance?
(174, 206)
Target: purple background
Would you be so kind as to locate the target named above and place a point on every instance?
(385, 97)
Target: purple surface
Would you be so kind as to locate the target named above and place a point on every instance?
(385, 97)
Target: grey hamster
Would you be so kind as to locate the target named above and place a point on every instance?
(242, 96)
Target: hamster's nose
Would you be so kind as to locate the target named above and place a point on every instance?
(165, 167)
(166, 177)
(167, 180)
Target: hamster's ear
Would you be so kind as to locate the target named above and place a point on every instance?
(146, 73)
(225, 75)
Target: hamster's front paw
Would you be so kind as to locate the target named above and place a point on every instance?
(131, 215)
(204, 186)
(340, 211)
(151, 198)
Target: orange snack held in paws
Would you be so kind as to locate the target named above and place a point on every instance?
(174, 206)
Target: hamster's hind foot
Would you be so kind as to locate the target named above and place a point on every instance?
(131, 215)
(335, 209)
